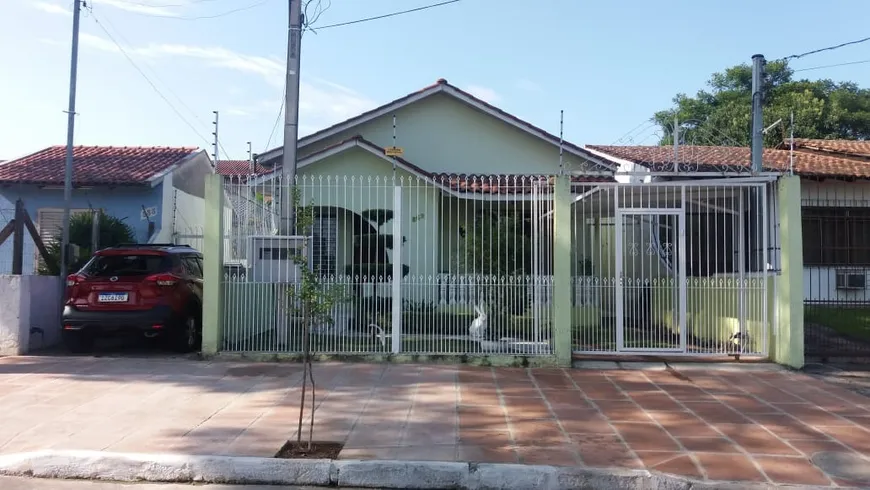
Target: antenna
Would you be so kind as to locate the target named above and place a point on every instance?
(394, 143)
(561, 140)
(775, 124)
(791, 147)
(216, 144)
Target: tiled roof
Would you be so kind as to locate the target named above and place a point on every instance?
(505, 183)
(842, 147)
(730, 158)
(239, 167)
(93, 165)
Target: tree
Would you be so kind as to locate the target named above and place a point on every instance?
(498, 246)
(113, 232)
(313, 302)
(721, 115)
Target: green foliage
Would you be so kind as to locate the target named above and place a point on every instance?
(113, 232)
(721, 115)
(497, 245)
(584, 267)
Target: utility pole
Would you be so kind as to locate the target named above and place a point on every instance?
(250, 157)
(70, 131)
(216, 144)
(287, 226)
(757, 122)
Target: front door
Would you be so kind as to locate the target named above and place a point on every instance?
(651, 290)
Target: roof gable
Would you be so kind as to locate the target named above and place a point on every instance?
(95, 165)
(443, 87)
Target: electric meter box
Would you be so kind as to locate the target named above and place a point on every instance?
(271, 258)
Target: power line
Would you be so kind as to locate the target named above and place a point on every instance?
(198, 17)
(168, 5)
(157, 77)
(832, 66)
(829, 48)
(392, 14)
(277, 120)
(153, 86)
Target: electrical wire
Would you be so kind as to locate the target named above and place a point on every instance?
(392, 14)
(277, 119)
(168, 5)
(151, 83)
(829, 48)
(201, 17)
(832, 66)
(155, 76)
(319, 9)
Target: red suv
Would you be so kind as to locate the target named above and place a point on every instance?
(152, 290)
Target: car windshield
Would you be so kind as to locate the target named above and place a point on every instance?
(127, 265)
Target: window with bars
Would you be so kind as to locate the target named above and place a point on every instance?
(836, 236)
(324, 242)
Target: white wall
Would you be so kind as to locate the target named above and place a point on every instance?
(28, 305)
(184, 198)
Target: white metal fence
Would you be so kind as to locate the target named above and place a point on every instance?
(677, 267)
(465, 266)
(425, 267)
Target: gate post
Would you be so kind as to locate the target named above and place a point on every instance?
(213, 265)
(561, 303)
(787, 332)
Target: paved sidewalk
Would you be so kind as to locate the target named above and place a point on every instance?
(746, 426)
(15, 483)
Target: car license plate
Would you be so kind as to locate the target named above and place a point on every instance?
(112, 297)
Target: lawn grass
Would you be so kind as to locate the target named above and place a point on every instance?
(850, 322)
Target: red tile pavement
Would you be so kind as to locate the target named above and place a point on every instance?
(744, 426)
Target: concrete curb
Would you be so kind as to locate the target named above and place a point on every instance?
(422, 475)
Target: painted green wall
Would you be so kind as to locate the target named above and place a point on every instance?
(357, 180)
(443, 134)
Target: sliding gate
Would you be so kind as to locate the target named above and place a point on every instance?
(673, 268)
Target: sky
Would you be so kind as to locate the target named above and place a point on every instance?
(152, 71)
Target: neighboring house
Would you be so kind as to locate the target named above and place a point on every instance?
(835, 205)
(156, 190)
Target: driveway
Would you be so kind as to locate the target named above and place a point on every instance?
(765, 426)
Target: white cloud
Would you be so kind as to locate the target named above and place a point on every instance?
(235, 111)
(528, 85)
(321, 102)
(148, 7)
(52, 8)
(485, 94)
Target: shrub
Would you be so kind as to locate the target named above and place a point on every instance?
(113, 232)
